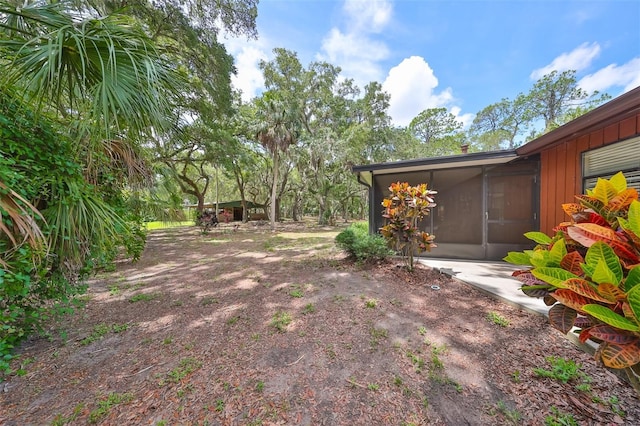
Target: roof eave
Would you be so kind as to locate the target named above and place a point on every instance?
(464, 160)
(625, 104)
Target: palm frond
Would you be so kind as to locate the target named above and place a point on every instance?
(80, 221)
(150, 204)
(125, 157)
(104, 70)
(31, 18)
(17, 221)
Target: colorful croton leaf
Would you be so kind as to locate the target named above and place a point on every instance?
(589, 271)
(405, 207)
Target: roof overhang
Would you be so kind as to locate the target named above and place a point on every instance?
(366, 172)
(625, 105)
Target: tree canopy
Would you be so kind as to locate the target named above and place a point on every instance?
(86, 87)
(116, 112)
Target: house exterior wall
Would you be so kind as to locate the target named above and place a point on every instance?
(561, 167)
(481, 211)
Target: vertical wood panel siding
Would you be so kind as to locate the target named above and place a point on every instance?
(595, 138)
(553, 180)
(574, 168)
(627, 127)
(611, 133)
(561, 168)
(544, 189)
(582, 146)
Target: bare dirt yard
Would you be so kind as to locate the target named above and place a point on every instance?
(253, 327)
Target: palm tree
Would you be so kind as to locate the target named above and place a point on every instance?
(276, 131)
(106, 82)
(102, 70)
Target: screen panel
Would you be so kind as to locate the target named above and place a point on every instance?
(457, 218)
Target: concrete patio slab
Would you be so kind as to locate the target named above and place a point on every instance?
(491, 277)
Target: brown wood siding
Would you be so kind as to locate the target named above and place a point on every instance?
(544, 183)
(627, 127)
(611, 133)
(581, 146)
(573, 168)
(595, 139)
(561, 178)
(553, 179)
(561, 168)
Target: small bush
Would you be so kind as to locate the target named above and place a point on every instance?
(372, 247)
(346, 239)
(357, 242)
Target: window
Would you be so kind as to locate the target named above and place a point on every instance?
(608, 160)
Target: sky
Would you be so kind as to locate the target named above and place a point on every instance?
(462, 55)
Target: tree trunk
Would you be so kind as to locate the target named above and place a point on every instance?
(323, 201)
(296, 207)
(363, 203)
(321, 210)
(245, 214)
(274, 190)
(243, 201)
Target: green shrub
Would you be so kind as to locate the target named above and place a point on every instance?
(371, 247)
(357, 242)
(29, 296)
(346, 239)
(57, 226)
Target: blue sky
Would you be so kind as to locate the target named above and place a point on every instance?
(463, 55)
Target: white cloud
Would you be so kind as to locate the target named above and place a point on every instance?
(626, 75)
(249, 78)
(357, 55)
(368, 15)
(412, 85)
(353, 48)
(246, 53)
(465, 119)
(578, 59)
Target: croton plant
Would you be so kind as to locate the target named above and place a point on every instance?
(405, 207)
(589, 272)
